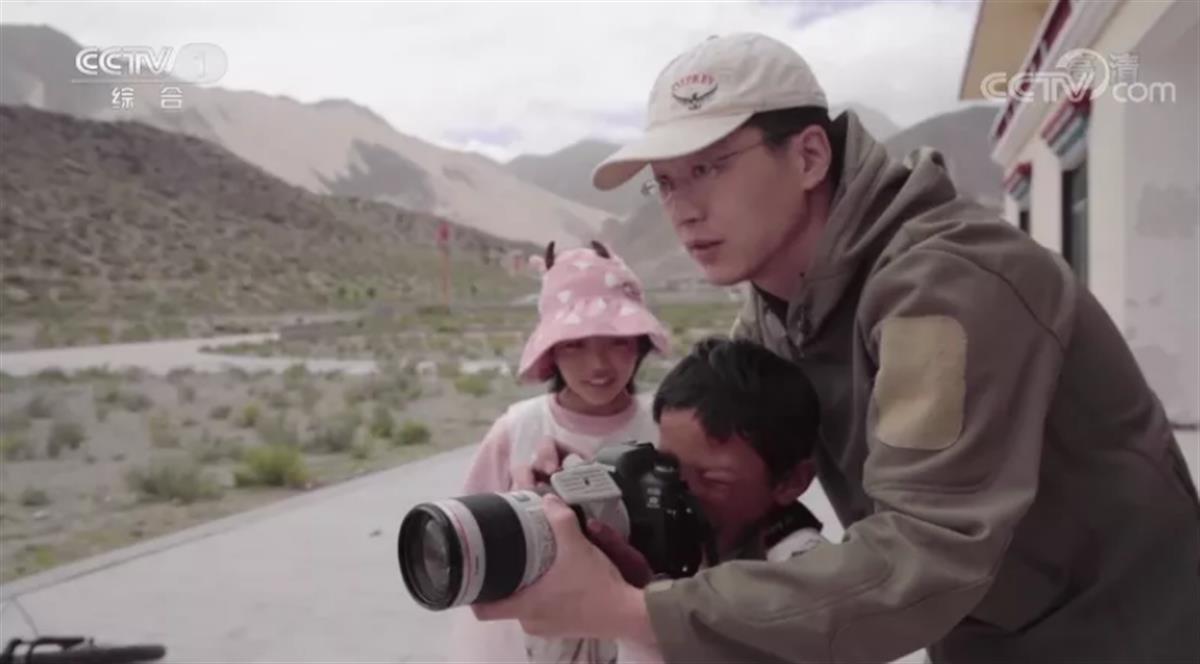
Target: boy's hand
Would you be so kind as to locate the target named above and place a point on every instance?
(631, 563)
(546, 461)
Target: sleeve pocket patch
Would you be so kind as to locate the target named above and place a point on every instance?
(921, 385)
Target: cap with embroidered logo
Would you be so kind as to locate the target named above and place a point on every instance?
(709, 91)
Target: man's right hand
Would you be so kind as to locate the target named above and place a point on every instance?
(632, 564)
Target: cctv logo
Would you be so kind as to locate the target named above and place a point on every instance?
(124, 61)
(192, 63)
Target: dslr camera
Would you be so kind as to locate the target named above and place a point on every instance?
(484, 547)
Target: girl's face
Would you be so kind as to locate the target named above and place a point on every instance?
(597, 370)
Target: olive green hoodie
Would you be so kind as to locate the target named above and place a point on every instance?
(1011, 488)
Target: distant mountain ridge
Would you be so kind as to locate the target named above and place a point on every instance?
(334, 146)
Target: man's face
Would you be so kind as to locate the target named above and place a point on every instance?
(728, 478)
(736, 204)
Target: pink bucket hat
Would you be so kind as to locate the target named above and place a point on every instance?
(587, 295)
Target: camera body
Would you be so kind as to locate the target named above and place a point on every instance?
(484, 547)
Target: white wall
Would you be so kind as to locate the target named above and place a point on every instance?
(1011, 210)
(1045, 195)
(1162, 215)
(1108, 166)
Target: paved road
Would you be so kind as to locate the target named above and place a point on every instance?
(312, 579)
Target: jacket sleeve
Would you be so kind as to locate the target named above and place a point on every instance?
(964, 374)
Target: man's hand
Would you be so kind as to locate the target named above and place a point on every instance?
(581, 595)
(632, 564)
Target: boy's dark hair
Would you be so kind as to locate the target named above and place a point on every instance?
(780, 125)
(738, 387)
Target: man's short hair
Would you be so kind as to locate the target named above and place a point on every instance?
(780, 125)
(737, 387)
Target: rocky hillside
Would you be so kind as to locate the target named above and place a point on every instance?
(330, 147)
(122, 219)
(568, 173)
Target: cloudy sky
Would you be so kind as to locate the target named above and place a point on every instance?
(512, 78)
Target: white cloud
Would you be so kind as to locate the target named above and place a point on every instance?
(546, 74)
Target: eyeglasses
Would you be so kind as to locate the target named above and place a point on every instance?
(664, 187)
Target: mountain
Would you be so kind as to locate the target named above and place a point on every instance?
(963, 138)
(329, 147)
(568, 173)
(118, 219)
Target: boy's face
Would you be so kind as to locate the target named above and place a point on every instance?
(728, 478)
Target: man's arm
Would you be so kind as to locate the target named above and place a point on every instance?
(966, 374)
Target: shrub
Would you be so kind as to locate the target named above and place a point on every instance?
(162, 431)
(39, 407)
(15, 422)
(272, 465)
(382, 423)
(186, 393)
(135, 402)
(363, 448)
(66, 433)
(248, 418)
(34, 497)
(277, 431)
(277, 400)
(57, 376)
(477, 385)
(14, 446)
(310, 396)
(212, 449)
(172, 480)
(295, 376)
(413, 433)
(336, 434)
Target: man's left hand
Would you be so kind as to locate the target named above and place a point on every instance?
(581, 595)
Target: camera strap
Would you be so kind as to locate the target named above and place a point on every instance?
(787, 520)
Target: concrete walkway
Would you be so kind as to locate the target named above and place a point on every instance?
(310, 579)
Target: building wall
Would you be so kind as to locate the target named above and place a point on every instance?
(1045, 194)
(1162, 215)
(1144, 199)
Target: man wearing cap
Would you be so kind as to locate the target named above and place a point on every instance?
(1011, 488)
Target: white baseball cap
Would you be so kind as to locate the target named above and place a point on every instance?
(706, 93)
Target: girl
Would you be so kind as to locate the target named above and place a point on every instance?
(593, 333)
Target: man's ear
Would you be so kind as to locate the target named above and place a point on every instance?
(788, 489)
(813, 155)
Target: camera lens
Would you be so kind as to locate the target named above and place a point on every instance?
(435, 558)
(476, 548)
